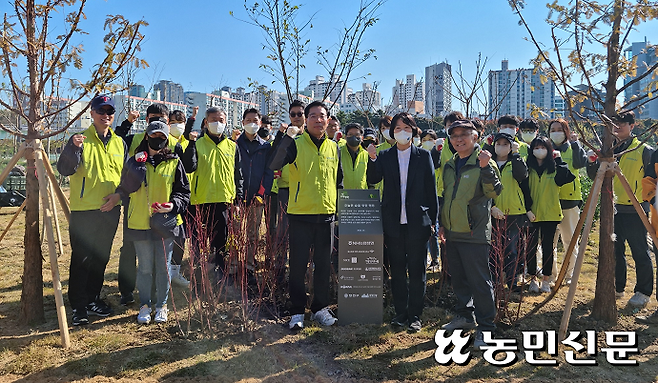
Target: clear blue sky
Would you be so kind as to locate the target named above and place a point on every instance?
(199, 45)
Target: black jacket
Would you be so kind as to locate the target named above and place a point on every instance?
(421, 199)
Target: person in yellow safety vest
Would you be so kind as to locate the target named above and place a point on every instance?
(282, 176)
(334, 132)
(315, 175)
(547, 173)
(177, 129)
(93, 161)
(127, 273)
(636, 165)
(430, 142)
(354, 158)
(156, 183)
(529, 129)
(509, 210)
(386, 142)
(571, 197)
(648, 196)
(216, 183)
(507, 124)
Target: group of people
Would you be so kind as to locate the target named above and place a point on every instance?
(440, 191)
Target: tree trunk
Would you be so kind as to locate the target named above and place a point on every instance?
(605, 305)
(32, 293)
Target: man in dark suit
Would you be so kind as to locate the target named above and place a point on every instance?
(409, 210)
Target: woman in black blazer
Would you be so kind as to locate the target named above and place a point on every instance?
(409, 210)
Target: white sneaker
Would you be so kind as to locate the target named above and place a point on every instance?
(638, 300)
(567, 281)
(144, 316)
(176, 277)
(545, 287)
(161, 315)
(619, 295)
(534, 287)
(296, 322)
(325, 317)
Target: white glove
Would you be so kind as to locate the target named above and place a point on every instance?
(591, 156)
(439, 143)
(497, 213)
(292, 131)
(515, 147)
(531, 216)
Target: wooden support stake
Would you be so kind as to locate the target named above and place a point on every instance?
(12, 162)
(20, 209)
(54, 268)
(63, 201)
(636, 204)
(596, 191)
(60, 245)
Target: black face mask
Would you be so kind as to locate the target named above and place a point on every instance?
(367, 143)
(157, 143)
(263, 133)
(353, 141)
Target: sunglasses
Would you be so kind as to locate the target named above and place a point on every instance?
(103, 112)
(299, 114)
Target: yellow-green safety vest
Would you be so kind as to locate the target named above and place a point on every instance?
(446, 155)
(354, 174)
(380, 185)
(571, 191)
(510, 201)
(214, 179)
(99, 173)
(632, 166)
(313, 177)
(159, 183)
(545, 196)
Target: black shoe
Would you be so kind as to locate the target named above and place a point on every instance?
(415, 325)
(399, 321)
(99, 308)
(80, 317)
(127, 299)
(648, 319)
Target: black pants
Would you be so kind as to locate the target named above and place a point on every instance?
(629, 228)
(304, 237)
(407, 255)
(546, 231)
(471, 282)
(208, 222)
(512, 260)
(91, 234)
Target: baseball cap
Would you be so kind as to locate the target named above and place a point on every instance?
(506, 136)
(625, 116)
(369, 133)
(102, 100)
(466, 124)
(157, 126)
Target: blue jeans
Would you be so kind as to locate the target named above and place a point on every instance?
(153, 259)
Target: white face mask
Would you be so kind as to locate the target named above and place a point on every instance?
(557, 137)
(540, 153)
(216, 128)
(428, 145)
(502, 150)
(386, 134)
(528, 136)
(176, 129)
(403, 137)
(416, 141)
(251, 128)
(510, 131)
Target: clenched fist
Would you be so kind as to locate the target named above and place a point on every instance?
(484, 158)
(372, 151)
